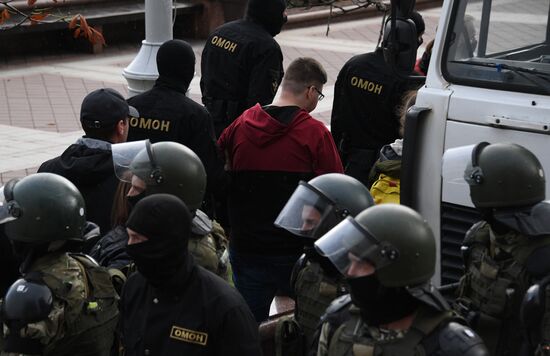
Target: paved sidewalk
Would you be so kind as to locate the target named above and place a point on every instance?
(40, 96)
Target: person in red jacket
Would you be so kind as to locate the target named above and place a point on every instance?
(268, 150)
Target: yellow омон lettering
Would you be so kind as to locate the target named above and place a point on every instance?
(165, 125)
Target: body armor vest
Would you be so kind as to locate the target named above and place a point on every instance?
(492, 289)
(89, 304)
(354, 337)
(314, 293)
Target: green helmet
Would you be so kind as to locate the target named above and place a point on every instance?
(504, 175)
(42, 207)
(171, 168)
(394, 238)
(318, 205)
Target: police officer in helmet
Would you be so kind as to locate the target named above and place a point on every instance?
(387, 254)
(312, 210)
(508, 251)
(64, 303)
(171, 168)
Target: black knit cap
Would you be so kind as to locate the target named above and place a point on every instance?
(161, 217)
(268, 13)
(176, 62)
(418, 22)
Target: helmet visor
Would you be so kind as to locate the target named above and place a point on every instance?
(123, 155)
(307, 212)
(348, 242)
(6, 213)
(457, 166)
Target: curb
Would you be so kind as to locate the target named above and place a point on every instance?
(349, 13)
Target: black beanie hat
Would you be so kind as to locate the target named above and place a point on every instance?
(267, 13)
(176, 62)
(161, 216)
(418, 22)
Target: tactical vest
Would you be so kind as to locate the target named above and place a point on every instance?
(492, 289)
(210, 251)
(354, 338)
(90, 304)
(314, 293)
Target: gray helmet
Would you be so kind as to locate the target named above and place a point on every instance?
(318, 205)
(394, 238)
(42, 207)
(165, 167)
(26, 302)
(504, 175)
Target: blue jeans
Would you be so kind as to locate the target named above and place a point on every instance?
(260, 278)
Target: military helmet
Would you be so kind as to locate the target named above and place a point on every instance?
(504, 175)
(318, 205)
(165, 167)
(394, 238)
(42, 207)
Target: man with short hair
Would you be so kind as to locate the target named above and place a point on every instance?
(268, 151)
(88, 162)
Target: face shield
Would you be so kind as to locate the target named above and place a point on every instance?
(349, 242)
(309, 213)
(9, 210)
(460, 165)
(136, 158)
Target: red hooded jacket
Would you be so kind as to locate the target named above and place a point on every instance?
(267, 159)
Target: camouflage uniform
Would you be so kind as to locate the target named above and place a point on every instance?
(84, 312)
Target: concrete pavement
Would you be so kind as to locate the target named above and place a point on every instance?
(40, 96)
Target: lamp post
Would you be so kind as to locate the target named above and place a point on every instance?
(142, 72)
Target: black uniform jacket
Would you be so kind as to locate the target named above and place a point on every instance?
(366, 98)
(90, 168)
(241, 65)
(196, 314)
(166, 114)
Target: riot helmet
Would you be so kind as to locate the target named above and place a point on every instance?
(162, 167)
(318, 205)
(42, 208)
(499, 175)
(26, 302)
(387, 254)
(395, 239)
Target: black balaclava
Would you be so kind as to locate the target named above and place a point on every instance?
(380, 305)
(176, 64)
(418, 23)
(166, 222)
(268, 13)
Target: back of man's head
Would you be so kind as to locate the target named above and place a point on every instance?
(302, 73)
(176, 62)
(267, 13)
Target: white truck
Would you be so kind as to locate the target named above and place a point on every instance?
(488, 80)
